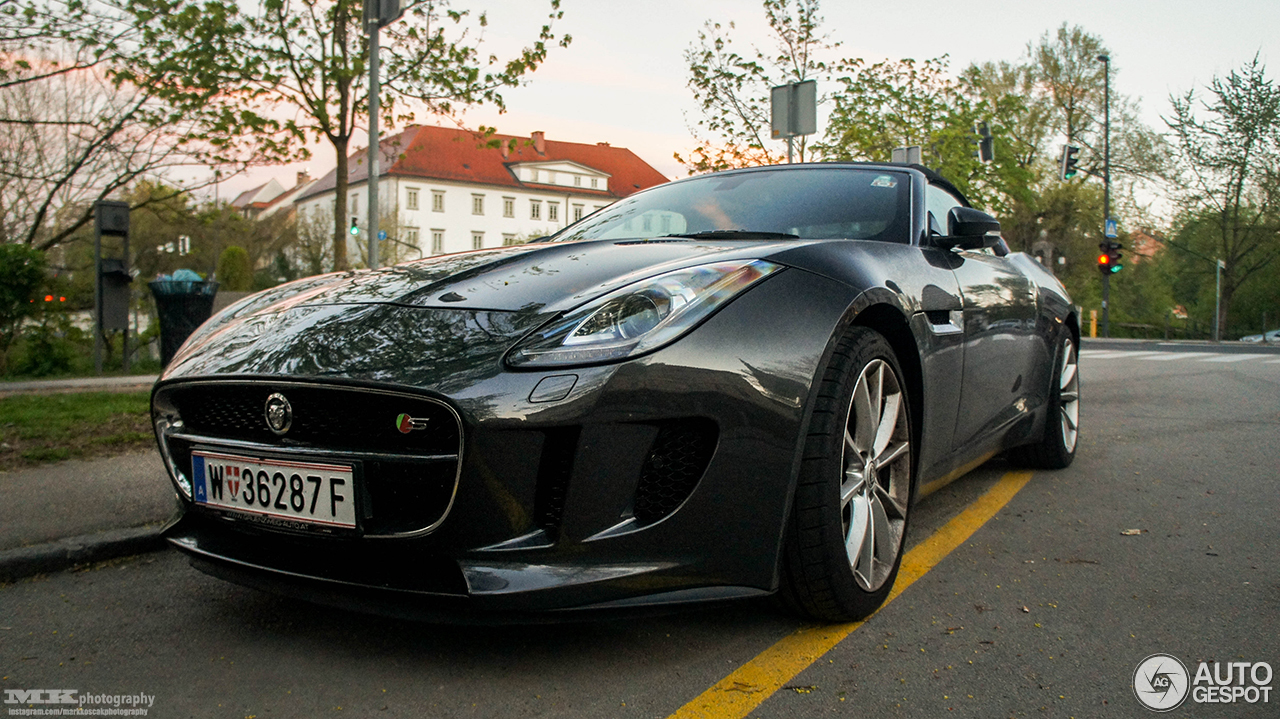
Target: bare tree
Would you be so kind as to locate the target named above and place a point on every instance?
(732, 89)
(1228, 151)
(73, 136)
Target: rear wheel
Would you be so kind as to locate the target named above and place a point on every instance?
(844, 541)
(1057, 448)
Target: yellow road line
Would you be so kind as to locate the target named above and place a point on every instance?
(746, 688)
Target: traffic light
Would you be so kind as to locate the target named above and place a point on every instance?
(1109, 258)
(1067, 163)
(355, 228)
(986, 143)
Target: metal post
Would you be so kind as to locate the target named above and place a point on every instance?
(374, 31)
(1106, 185)
(97, 294)
(1217, 300)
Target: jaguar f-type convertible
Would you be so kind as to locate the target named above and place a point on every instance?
(728, 386)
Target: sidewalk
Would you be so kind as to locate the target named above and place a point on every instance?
(79, 384)
(60, 515)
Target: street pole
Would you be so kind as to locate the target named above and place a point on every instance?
(375, 29)
(1106, 185)
(1217, 300)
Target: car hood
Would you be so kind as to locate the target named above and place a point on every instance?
(554, 276)
(443, 316)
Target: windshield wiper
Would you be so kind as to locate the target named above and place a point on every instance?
(736, 235)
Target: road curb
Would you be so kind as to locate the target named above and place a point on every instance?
(72, 551)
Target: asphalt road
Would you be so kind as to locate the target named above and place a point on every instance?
(1046, 610)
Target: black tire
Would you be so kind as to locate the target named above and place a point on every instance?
(1057, 447)
(819, 579)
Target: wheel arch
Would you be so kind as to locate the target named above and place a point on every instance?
(892, 324)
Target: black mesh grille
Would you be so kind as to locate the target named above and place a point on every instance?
(553, 476)
(328, 417)
(680, 455)
(398, 495)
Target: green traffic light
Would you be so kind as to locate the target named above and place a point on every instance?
(355, 230)
(1116, 268)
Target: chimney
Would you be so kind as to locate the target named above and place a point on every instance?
(540, 142)
(505, 149)
(303, 178)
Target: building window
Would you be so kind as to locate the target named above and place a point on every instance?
(411, 198)
(535, 209)
(595, 182)
(648, 222)
(477, 240)
(477, 204)
(437, 200)
(411, 236)
(666, 224)
(508, 207)
(508, 239)
(551, 177)
(437, 242)
(533, 175)
(597, 207)
(577, 180)
(354, 203)
(577, 212)
(553, 211)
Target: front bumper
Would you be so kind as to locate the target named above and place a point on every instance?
(659, 480)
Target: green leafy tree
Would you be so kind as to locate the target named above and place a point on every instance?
(235, 272)
(1228, 152)
(22, 271)
(308, 61)
(733, 90)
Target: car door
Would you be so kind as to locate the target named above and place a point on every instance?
(1000, 305)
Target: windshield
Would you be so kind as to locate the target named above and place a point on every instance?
(806, 203)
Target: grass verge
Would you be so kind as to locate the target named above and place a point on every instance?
(36, 429)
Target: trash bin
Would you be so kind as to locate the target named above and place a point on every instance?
(182, 306)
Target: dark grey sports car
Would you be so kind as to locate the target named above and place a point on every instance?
(728, 386)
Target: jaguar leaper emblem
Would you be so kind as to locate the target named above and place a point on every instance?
(407, 424)
(279, 413)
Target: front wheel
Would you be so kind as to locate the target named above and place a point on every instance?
(845, 537)
(1057, 447)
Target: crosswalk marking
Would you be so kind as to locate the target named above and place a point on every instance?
(1166, 356)
(1233, 358)
(1114, 354)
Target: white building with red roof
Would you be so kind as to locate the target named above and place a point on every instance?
(447, 190)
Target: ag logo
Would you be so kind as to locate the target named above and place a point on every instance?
(279, 413)
(1161, 682)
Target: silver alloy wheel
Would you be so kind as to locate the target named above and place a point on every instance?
(877, 473)
(1069, 396)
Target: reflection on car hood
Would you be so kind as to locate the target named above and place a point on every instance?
(442, 316)
(555, 276)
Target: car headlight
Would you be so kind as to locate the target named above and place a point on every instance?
(639, 317)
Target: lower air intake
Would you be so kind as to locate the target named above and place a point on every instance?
(681, 452)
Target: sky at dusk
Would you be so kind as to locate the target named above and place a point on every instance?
(623, 78)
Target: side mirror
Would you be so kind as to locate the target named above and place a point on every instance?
(970, 229)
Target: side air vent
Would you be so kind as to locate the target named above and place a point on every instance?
(681, 452)
(553, 477)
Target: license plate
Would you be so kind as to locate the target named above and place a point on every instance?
(309, 492)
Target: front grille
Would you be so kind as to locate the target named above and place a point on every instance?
(680, 454)
(327, 417)
(408, 479)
